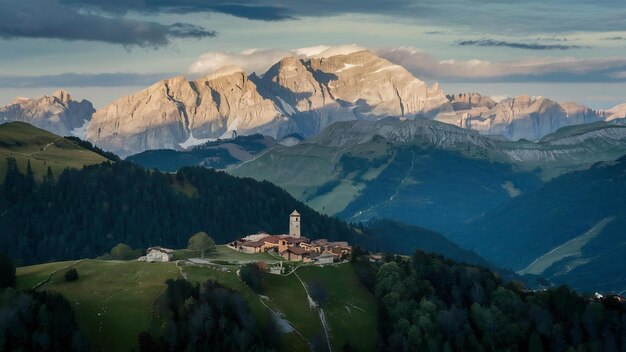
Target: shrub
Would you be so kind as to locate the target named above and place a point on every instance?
(71, 275)
(7, 272)
(251, 275)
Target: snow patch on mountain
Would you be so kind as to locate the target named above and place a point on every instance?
(81, 132)
(193, 141)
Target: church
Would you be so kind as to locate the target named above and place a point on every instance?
(293, 246)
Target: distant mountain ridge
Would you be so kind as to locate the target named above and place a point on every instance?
(57, 113)
(522, 117)
(425, 172)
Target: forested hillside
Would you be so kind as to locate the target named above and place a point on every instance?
(571, 230)
(84, 213)
(432, 304)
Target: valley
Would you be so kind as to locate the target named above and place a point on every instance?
(433, 221)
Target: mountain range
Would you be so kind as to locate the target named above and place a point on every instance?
(298, 95)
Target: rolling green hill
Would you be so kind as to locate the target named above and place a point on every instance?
(571, 230)
(113, 298)
(421, 301)
(43, 149)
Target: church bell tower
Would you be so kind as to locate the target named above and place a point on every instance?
(294, 224)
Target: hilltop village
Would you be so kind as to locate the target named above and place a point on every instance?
(294, 246)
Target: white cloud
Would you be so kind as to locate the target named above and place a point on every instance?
(425, 65)
(259, 60)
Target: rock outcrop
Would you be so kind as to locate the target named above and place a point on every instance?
(296, 95)
(466, 101)
(522, 117)
(57, 113)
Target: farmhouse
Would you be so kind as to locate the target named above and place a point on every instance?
(159, 254)
(294, 246)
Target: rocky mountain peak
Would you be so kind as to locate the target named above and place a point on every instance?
(224, 71)
(62, 95)
(57, 113)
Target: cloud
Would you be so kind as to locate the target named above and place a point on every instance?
(619, 75)
(528, 46)
(494, 16)
(530, 69)
(82, 80)
(50, 19)
(426, 66)
(134, 22)
(614, 38)
(259, 60)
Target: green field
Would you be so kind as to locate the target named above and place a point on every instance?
(116, 299)
(224, 254)
(30, 276)
(110, 298)
(25, 142)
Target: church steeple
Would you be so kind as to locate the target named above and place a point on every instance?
(294, 224)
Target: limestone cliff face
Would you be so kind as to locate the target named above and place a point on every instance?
(57, 113)
(317, 92)
(522, 117)
(296, 95)
(172, 111)
(375, 87)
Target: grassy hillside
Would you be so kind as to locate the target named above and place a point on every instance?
(425, 173)
(25, 142)
(409, 182)
(571, 230)
(113, 298)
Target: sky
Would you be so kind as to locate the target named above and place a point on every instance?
(568, 50)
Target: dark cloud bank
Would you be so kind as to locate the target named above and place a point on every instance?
(514, 45)
(108, 20)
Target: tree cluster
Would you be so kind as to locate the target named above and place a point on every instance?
(35, 321)
(251, 275)
(432, 304)
(206, 318)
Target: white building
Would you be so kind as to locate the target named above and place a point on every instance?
(159, 254)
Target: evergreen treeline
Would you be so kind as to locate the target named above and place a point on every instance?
(207, 318)
(427, 303)
(84, 213)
